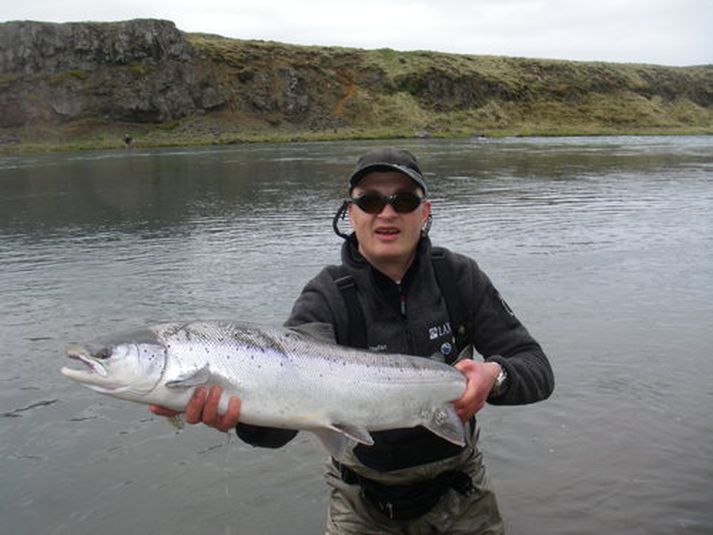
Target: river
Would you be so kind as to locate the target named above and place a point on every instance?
(603, 247)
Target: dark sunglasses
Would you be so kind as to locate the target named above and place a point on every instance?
(373, 202)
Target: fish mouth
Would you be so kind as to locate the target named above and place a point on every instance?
(82, 354)
(93, 376)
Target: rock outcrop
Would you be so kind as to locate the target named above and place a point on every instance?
(32, 47)
(135, 71)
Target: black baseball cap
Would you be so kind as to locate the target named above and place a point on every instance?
(388, 159)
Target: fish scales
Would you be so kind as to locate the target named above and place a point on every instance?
(284, 379)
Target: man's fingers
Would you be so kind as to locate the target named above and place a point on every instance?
(233, 413)
(162, 411)
(203, 407)
(468, 397)
(210, 410)
(194, 409)
(229, 420)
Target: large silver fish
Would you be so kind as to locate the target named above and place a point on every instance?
(283, 378)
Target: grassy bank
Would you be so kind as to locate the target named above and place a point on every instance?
(232, 91)
(110, 138)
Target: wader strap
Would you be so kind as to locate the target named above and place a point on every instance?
(356, 334)
(445, 277)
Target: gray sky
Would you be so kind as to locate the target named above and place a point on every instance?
(667, 32)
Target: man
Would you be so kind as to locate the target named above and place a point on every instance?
(396, 293)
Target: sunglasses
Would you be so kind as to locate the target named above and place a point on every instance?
(373, 202)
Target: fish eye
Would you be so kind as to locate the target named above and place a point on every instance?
(103, 353)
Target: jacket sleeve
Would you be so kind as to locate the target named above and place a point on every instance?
(500, 337)
(310, 316)
(319, 303)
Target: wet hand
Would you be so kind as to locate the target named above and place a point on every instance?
(203, 407)
(481, 378)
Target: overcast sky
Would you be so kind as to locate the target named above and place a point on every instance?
(667, 32)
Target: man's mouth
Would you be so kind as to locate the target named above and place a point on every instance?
(387, 231)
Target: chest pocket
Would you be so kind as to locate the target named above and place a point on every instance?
(433, 339)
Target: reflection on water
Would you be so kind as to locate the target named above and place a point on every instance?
(602, 245)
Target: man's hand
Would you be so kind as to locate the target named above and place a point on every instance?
(481, 378)
(203, 407)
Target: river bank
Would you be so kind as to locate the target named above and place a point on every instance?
(142, 138)
(144, 83)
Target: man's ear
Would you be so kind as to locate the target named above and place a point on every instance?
(426, 211)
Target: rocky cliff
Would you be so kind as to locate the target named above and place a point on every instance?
(59, 81)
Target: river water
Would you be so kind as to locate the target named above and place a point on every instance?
(603, 246)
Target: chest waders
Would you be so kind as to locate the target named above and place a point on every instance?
(405, 502)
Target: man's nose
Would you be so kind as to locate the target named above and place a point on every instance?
(387, 211)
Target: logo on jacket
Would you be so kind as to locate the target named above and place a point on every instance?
(438, 331)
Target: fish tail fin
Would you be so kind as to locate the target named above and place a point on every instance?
(445, 423)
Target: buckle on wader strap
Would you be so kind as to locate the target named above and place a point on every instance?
(406, 502)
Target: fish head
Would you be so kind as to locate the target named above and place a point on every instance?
(128, 365)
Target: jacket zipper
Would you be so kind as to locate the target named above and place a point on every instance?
(402, 306)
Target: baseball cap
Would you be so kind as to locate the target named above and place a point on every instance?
(388, 159)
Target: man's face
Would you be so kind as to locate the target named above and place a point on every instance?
(388, 236)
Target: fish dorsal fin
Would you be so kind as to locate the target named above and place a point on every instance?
(323, 332)
(191, 379)
(357, 434)
(445, 423)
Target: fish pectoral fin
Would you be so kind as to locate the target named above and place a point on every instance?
(337, 444)
(178, 422)
(191, 379)
(445, 423)
(357, 434)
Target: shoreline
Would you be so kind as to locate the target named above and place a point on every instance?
(155, 139)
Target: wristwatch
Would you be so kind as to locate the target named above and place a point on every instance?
(499, 385)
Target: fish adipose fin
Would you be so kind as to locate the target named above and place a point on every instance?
(445, 423)
(189, 380)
